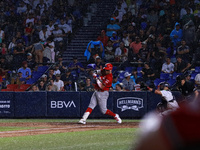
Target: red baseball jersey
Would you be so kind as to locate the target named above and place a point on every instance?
(106, 81)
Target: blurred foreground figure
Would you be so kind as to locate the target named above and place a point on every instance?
(178, 130)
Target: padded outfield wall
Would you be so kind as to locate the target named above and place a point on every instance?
(74, 104)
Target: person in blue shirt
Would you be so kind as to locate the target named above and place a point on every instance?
(25, 70)
(112, 27)
(115, 82)
(75, 67)
(176, 34)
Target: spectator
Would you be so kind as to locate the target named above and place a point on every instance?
(152, 18)
(126, 39)
(189, 33)
(115, 82)
(42, 86)
(18, 79)
(51, 86)
(50, 44)
(112, 27)
(119, 87)
(184, 51)
(187, 17)
(103, 38)
(181, 66)
(43, 34)
(75, 67)
(65, 27)
(59, 83)
(98, 63)
(50, 27)
(44, 79)
(148, 74)
(11, 46)
(58, 37)
(133, 8)
(30, 61)
(38, 50)
(28, 32)
(144, 53)
(109, 53)
(135, 47)
(176, 35)
(34, 88)
(128, 83)
(121, 53)
(67, 79)
(168, 67)
(61, 64)
(88, 87)
(4, 50)
(2, 35)
(25, 70)
(57, 71)
(115, 39)
(4, 65)
(51, 74)
(197, 80)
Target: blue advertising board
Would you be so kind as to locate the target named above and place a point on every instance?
(6, 104)
(63, 104)
(30, 104)
(130, 104)
(96, 113)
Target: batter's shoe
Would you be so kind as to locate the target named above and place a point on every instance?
(82, 121)
(118, 119)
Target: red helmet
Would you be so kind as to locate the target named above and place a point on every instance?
(108, 66)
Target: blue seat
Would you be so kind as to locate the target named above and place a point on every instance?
(31, 81)
(36, 75)
(42, 68)
(193, 75)
(129, 69)
(121, 76)
(165, 76)
(174, 75)
(171, 82)
(197, 69)
(139, 74)
(139, 69)
(157, 81)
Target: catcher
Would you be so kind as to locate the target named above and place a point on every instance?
(168, 102)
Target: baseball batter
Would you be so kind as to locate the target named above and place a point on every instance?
(100, 96)
(168, 103)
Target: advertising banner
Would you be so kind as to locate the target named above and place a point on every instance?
(130, 104)
(6, 104)
(63, 104)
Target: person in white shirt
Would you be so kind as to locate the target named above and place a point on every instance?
(51, 45)
(65, 27)
(58, 34)
(121, 53)
(43, 34)
(57, 71)
(59, 83)
(50, 27)
(168, 67)
(22, 7)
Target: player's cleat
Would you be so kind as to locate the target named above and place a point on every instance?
(82, 121)
(119, 120)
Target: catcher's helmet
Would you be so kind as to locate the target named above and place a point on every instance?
(162, 85)
(108, 66)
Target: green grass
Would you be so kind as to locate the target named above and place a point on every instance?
(109, 139)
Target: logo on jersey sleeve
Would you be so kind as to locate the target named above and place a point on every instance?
(128, 103)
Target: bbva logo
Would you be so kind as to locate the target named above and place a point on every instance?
(127, 103)
(62, 104)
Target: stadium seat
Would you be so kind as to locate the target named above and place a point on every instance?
(6, 90)
(121, 76)
(42, 69)
(12, 86)
(36, 75)
(165, 76)
(174, 75)
(31, 81)
(129, 69)
(157, 81)
(193, 75)
(197, 69)
(171, 82)
(24, 86)
(139, 69)
(19, 90)
(139, 74)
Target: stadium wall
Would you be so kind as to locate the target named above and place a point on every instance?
(74, 104)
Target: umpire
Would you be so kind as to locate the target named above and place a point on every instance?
(187, 88)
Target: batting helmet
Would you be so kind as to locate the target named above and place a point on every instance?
(108, 66)
(162, 85)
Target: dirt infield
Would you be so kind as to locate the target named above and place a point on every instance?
(47, 128)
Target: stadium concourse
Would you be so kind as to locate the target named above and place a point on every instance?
(49, 45)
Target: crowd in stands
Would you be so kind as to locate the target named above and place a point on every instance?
(160, 36)
(35, 32)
